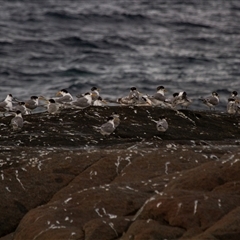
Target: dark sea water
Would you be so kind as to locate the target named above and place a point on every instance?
(191, 45)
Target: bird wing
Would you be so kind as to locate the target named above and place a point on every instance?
(63, 99)
(212, 100)
(30, 104)
(3, 104)
(81, 102)
(107, 128)
(162, 124)
(159, 97)
(17, 122)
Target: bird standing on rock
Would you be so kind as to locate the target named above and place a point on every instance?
(131, 99)
(162, 124)
(52, 106)
(232, 106)
(63, 97)
(108, 127)
(6, 105)
(181, 99)
(211, 101)
(99, 102)
(95, 93)
(84, 101)
(116, 119)
(32, 103)
(159, 98)
(17, 121)
(21, 106)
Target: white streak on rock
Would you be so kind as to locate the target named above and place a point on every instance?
(229, 159)
(236, 160)
(118, 163)
(111, 216)
(131, 189)
(195, 207)
(212, 156)
(112, 227)
(93, 173)
(19, 180)
(179, 207)
(219, 203)
(141, 209)
(159, 204)
(166, 167)
(97, 211)
(51, 227)
(67, 200)
(39, 166)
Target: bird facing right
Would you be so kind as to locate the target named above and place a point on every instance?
(108, 127)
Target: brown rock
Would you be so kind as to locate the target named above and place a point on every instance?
(64, 180)
(150, 229)
(227, 227)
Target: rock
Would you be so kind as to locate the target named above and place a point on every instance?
(226, 228)
(78, 128)
(63, 180)
(151, 229)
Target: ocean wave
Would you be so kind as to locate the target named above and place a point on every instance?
(190, 24)
(76, 41)
(73, 72)
(61, 14)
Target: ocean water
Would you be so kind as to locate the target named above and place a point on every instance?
(190, 45)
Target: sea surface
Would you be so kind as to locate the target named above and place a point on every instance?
(184, 45)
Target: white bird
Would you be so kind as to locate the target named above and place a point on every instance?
(116, 119)
(131, 99)
(6, 105)
(158, 99)
(232, 106)
(84, 101)
(21, 106)
(32, 103)
(63, 97)
(161, 124)
(95, 94)
(144, 101)
(181, 99)
(17, 121)
(108, 127)
(211, 101)
(99, 102)
(52, 106)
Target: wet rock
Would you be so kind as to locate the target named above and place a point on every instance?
(73, 128)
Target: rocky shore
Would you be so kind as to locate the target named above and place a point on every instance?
(61, 179)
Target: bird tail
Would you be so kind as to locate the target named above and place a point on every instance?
(98, 129)
(203, 100)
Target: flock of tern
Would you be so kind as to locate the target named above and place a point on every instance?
(64, 99)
